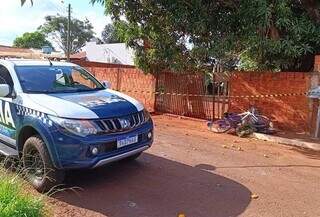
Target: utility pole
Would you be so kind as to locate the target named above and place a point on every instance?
(68, 35)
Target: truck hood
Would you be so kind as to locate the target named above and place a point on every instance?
(87, 105)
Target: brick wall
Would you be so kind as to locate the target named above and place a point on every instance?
(126, 79)
(317, 63)
(290, 113)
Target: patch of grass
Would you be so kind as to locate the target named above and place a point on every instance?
(15, 201)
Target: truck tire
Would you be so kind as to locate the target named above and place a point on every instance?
(38, 166)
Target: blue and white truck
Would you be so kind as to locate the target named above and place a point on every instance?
(55, 117)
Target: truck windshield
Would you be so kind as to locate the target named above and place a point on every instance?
(56, 79)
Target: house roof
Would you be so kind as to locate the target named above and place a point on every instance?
(33, 62)
(9, 49)
(109, 53)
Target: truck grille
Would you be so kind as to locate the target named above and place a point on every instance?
(121, 124)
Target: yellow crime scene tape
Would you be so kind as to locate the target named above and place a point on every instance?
(204, 95)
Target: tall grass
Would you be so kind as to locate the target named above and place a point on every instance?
(15, 200)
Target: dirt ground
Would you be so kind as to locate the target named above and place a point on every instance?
(197, 173)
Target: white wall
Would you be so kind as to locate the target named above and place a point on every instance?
(109, 53)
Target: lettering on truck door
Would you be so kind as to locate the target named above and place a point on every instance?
(7, 109)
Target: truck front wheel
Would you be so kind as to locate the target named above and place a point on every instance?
(40, 171)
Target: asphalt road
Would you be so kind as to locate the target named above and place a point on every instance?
(197, 173)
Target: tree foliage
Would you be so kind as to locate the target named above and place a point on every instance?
(192, 35)
(56, 28)
(109, 34)
(31, 40)
(24, 1)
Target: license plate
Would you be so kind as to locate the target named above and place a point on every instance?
(127, 141)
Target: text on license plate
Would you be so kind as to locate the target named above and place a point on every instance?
(127, 141)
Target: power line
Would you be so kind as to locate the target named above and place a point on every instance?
(58, 5)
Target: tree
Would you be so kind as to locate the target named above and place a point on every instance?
(109, 34)
(192, 35)
(31, 40)
(56, 28)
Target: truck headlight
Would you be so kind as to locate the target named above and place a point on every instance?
(78, 127)
(146, 115)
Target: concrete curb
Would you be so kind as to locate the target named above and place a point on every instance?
(294, 142)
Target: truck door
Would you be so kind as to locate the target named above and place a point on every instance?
(7, 111)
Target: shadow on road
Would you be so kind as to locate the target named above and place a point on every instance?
(157, 187)
(212, 168)
(307, 152)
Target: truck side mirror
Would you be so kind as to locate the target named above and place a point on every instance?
(106, 84)
(4, 90)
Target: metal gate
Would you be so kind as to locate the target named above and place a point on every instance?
(198, 95)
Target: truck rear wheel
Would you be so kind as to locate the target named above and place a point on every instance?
(37, 163)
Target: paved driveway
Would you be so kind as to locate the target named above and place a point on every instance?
(199, 174)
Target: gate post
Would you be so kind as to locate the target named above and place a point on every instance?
(213, 92)
(314, 105)
(155, 91)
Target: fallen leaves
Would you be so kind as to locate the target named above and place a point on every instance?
(233, 147)
(132, 204)
(254, 196)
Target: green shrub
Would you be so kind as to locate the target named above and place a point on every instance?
(14, 202)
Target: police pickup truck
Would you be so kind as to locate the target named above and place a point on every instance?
(56, 116)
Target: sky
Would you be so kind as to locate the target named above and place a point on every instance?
(15, 20)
